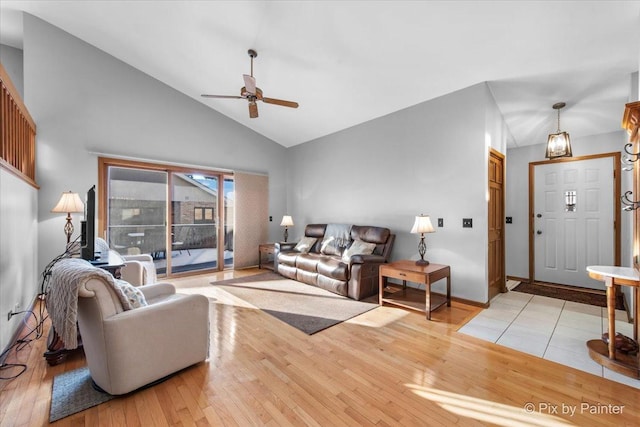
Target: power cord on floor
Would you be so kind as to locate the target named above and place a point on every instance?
(20, 344)
(38, 330)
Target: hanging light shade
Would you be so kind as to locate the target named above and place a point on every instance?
(559, 143)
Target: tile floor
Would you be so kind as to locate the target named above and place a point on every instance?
(549, 328)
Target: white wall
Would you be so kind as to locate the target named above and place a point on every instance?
(18, 249)
(517, 196)
(18, 228)
(86, 102)
(430, 158)
(12, 60)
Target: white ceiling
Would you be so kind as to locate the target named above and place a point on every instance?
(349, 62)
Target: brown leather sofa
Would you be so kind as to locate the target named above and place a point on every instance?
(354, 276)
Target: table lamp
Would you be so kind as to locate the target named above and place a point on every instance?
(69, 202)
(422, 225)
(287, 221)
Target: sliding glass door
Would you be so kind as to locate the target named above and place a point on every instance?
(137, 201)
(176, 215)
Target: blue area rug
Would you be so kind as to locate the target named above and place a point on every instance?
(73, 392)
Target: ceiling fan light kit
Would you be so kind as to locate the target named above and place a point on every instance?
(252, 93)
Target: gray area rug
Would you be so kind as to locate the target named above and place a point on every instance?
(72, 392)
(307, 308)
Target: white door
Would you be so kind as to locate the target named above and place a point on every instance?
(573, 220)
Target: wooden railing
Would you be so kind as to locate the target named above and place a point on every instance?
(17, 133)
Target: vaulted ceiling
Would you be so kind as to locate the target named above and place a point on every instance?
(349, 62)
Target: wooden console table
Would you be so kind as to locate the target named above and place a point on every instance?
(607, 355)
(414, 299)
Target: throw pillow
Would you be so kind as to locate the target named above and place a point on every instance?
(305, 244)
(134, 295)
(358, 247)
(330, 246)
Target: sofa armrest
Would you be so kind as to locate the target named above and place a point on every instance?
(140, 257)
(133, 272)
(366, 259)
(285, 246)
(138, 269)
(155, 290)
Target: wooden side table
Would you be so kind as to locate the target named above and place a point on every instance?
(266, 255)
(607, 355)
(414, 299)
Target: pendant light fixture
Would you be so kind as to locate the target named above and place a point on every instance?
(558, 144)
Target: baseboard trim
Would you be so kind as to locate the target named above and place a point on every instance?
(470, 302)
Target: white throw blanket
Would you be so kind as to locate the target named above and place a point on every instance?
(67, 276)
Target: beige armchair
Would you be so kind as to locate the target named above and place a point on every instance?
(128, 349)
(138, 269)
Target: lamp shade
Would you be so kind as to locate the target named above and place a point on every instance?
(558, 145)
(69, 202)
(287, 221)
(422, 225)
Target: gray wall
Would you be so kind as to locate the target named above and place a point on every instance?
(430, 158)
(87, 102)
(12, 61)
(18, 246)
(18, 228)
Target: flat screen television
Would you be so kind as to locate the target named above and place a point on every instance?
(88, 227)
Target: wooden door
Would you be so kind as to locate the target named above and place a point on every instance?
(496, 265)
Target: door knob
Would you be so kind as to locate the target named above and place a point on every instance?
(539, 215)
(539, 232)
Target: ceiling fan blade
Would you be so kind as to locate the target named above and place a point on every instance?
(249, 83)
(253, 110)
(284, 103)
(221, 96)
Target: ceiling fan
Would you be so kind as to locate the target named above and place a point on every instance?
(252, 93)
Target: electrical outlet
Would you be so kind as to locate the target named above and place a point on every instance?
(440, 222)
(509, 220)
(467, 222)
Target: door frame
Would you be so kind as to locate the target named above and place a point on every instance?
(617, 169)
(103, 179)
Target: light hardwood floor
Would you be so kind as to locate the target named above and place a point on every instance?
(387, 367)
